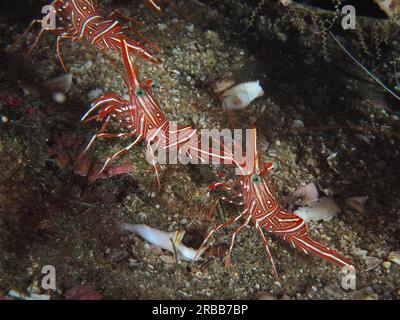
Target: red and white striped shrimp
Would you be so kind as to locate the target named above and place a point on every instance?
(254, 191)
(82, 19)
(141, 117)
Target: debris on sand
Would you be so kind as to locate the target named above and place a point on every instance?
(170, 241)
(323, 209)
(241, 95)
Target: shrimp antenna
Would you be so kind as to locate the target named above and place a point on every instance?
(394, 94)
(395, 74)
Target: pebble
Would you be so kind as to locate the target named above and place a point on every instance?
(142, 215)
(132, 262)
(88, 64)
(162, 26)
(94, 94)
(190, 27)
(59, 97)
(297, 125)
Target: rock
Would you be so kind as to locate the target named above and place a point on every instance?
(297, 125)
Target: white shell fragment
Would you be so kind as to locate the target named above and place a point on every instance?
(164, 240)
(323, 209)
(241, 95)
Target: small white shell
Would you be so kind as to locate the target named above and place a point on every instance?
(164, 240)
(241, 95)
(323, 209)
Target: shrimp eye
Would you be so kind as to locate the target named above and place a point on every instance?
(255, 178)
(154, 85)
(139, 92)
